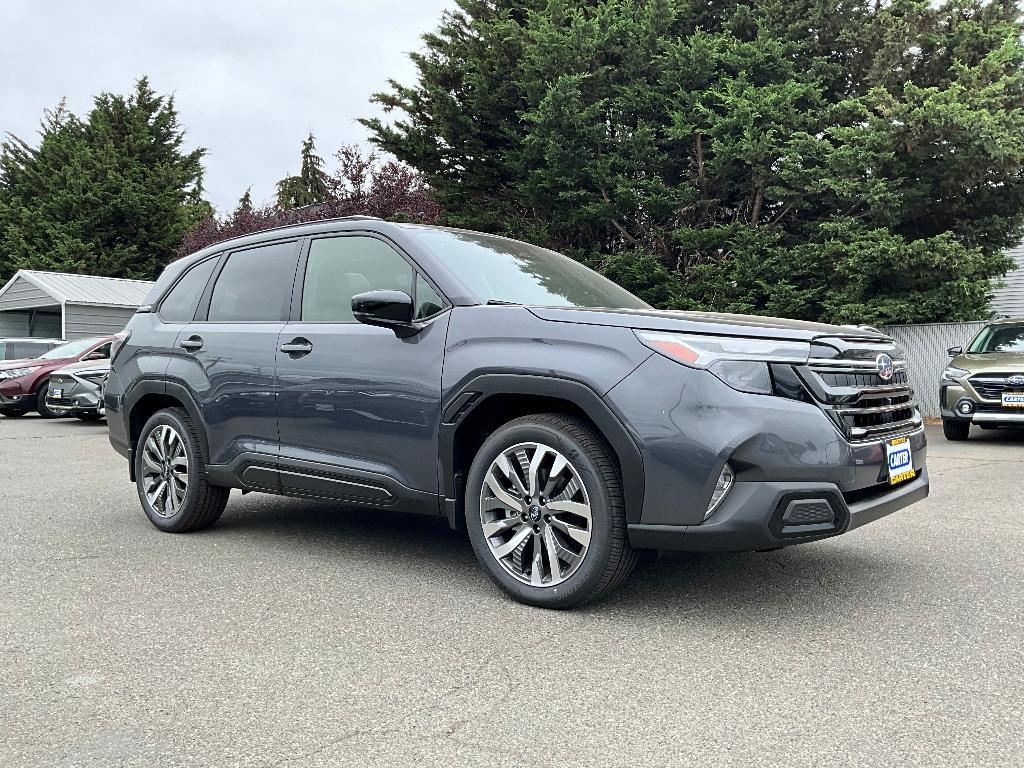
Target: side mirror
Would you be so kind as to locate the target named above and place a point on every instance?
(955, 351)
(388, 309)
(94, 356)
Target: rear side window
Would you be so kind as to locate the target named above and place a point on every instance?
(339, 268)
(180, 304)
(254, 285)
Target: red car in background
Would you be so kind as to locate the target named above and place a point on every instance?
(23, 384)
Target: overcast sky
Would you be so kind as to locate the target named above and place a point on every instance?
(250, 77)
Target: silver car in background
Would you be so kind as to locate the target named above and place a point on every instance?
(25, 349)
(77, 389)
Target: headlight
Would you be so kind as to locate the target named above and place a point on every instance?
(17, 373)
(94, 376)
(954, 374)
(740, 363)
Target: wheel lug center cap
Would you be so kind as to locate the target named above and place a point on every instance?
(534, 512)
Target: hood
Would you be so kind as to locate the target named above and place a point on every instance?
(977, 362)
(88, 365)
(715, 323)
(7, 365)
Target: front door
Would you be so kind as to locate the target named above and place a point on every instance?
(358, 406)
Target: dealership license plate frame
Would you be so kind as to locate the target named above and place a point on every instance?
(57, 393)
(900, 469)
(1013, 399)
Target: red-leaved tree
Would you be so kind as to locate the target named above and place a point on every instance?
(363, 185)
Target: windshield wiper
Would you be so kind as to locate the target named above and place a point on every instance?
(503, 303)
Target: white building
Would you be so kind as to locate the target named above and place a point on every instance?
(61, 306)
(1009, 301)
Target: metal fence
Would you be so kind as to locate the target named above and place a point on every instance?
(926, 347)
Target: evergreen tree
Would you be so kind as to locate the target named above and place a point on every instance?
(362, 185)
(311, 186)
(848, 160)
(112, 194)
(245, 201)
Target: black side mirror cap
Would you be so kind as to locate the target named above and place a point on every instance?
(955, 351)
(387, 309)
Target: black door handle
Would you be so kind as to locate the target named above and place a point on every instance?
(297, 347)
(192, 344)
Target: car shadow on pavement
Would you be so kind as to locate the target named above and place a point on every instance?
(817, 580)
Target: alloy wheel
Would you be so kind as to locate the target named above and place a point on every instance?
(535, 514)
(165, 470)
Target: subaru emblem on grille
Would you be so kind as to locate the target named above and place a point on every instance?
(885, 366)
(1016, 380)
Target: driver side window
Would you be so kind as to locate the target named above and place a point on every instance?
(339, 268)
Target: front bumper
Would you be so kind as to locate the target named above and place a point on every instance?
(14, 398)
(688, 424)
(984, 411)
(74, 404)
(752, 517)
(77, 395)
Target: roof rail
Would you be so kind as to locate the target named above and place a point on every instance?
(290, 226)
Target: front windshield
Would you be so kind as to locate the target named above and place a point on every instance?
(500, 270)
(999, 338)
(71, 349)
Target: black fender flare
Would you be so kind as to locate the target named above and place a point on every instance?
(152, 386)
(470, 394)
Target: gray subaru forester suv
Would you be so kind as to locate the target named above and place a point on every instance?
(561, 421)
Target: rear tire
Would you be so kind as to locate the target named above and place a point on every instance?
(170, 475)
(956, 430)
(565, 502)
(41, 407)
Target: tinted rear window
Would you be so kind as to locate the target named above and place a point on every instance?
(180, 304)
(254, 284)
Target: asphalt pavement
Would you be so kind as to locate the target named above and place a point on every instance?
(297, 633)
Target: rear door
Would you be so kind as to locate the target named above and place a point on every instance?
(226, 356)
(359, 407)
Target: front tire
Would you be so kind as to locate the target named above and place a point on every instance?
(956, 430)
(545, 512)
(170, 475)
(41, 407)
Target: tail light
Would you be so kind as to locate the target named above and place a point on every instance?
(120, 339)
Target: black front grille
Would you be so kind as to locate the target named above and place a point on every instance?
(847, 384)
(876, 415)
(992, 385)
(68, 386)
(859, 379)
